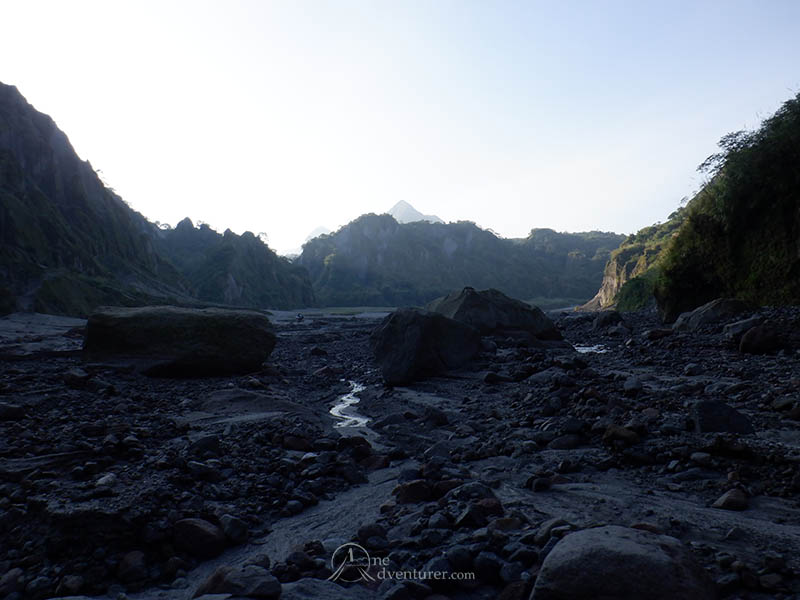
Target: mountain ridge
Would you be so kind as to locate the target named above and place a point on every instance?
(69, 243)
(374, 260)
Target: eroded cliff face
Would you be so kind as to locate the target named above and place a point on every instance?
(613, 280)
(623, 265)
(631, 269)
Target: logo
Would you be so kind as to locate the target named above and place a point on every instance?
(350, 563)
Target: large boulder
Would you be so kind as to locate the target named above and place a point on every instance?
(709, 416)
(411, 343)
(733, 332)
(491, 311)
(761, 339)
(183, 342)
(711, 313)
(623, 564)
(200, 538)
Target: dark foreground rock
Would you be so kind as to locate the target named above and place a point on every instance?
(491, 311)
(103, 468)
(411, 344)
(621, 563)
(761, 339)
(713, 415)
(184, 342)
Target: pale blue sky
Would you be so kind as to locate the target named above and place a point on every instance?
(282, 116)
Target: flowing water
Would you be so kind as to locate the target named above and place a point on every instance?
(343, 410)
(596, 348)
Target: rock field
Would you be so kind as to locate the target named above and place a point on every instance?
(668, 457)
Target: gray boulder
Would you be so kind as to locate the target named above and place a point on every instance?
(733, 332)
(716, 311)
(411, 344)
(715, 416)
(200, 538)
(620, 563)
(183, 342)
(606, 319)
(761, 339)
(491, 311)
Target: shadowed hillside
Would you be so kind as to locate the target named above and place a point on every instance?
(69, 243)
(235, 269)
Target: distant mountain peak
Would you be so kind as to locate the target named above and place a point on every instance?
(403, 212)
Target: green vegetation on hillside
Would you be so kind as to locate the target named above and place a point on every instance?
(633, 268)
(376, 261)
(740, 236)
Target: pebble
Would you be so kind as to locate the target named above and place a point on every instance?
(615, 433)
(439, 521)
(632, 385)
(70, 585)
(199, 537)
(692, 369)
(734, 499)
(545, 529)
(76, 378)
(107, 480)
(770, 581)
(701, 458)
(294, 507)
(459, 557)
(488, 566)
(414, 491)
(132, 567)
(235, 529)
(569, 441)
(11, 412)
(11, 582)
(206, 445)
(472, 517)
(716, 416)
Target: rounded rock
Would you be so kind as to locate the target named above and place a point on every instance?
(620, 563)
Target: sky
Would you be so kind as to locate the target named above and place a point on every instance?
(281, 116)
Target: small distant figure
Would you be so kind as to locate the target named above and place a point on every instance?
(300, 317)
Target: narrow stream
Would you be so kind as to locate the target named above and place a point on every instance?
(596, 348)
(343, 410)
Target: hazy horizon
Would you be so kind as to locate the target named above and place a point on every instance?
(280, 117)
